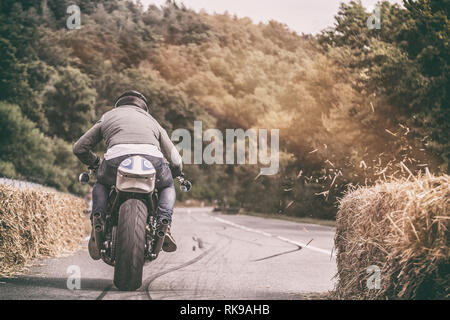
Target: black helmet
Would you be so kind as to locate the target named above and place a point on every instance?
(129, 97)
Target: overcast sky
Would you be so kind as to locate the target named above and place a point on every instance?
(308, 16)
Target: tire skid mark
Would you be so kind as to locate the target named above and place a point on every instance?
(258, 244)
(295, 243)
(149, 280)
(104, 292)
(224, 249)
(157, 275)
(278, 254)
(197, 292)
(237, 239)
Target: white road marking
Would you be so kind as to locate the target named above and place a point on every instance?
(297, 243)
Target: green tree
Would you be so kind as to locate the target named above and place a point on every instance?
(70, 104)
(22, 74)
(26, 153)
(405, 62)
(13, 78)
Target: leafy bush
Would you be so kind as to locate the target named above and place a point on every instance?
(25, 152)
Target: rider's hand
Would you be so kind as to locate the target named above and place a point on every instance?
(176, 171)
(95, 165)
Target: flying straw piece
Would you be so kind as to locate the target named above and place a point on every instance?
(289, 204)
(407, 131)
(391, 133)
(325, 194)
(428, 172)
(404, 127)
(410, 173)
(381, 172)
(329, 162)
(332, 182)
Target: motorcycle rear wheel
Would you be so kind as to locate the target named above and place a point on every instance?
(130, 245)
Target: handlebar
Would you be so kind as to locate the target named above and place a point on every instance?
(84, 177)
(185, 185)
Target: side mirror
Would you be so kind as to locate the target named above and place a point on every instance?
(84, 178)
(185, 186)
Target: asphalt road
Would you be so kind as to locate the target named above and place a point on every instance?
(218, 257)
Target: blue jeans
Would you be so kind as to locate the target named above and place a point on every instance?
(106, 177)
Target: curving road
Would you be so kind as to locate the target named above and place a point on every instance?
(219, 257)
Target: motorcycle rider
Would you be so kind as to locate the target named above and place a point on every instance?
(129, 129)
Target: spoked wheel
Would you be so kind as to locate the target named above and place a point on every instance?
(130, 245)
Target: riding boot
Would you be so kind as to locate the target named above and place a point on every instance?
(169, 244)
(92, 246)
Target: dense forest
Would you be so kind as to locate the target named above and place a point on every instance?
(353, 104)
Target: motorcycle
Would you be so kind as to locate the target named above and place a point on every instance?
(129, 235)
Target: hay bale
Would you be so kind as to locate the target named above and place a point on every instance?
(403, 228)
(37, 223)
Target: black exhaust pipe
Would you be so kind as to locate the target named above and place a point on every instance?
(98, 230)
(160, 235)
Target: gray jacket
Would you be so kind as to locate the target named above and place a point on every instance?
(126, 125)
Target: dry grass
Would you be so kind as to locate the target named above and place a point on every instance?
(36, 223)
(403, 228)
